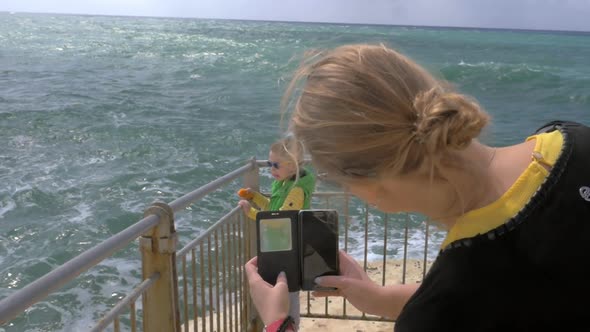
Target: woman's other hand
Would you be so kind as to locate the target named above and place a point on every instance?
(272, 302)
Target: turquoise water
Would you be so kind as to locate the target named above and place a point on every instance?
(99, 116)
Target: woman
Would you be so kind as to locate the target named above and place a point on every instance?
(518, 217)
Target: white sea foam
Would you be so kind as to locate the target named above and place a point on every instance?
(395, 239)
(6, 206)
(84, 212)
(23, 141)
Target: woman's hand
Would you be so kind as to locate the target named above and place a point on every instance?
(272, 302)
(352, 283)
(245, 205)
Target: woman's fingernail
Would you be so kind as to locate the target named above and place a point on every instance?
(282, 274)
(318, 280)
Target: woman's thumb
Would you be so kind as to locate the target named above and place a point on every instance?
(281, 279)
(332, 281)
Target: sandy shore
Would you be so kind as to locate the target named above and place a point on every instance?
(335, 306)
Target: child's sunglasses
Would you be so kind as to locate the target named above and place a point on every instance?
(273, 164)
(276, 164)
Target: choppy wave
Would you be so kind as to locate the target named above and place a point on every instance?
(503, 73)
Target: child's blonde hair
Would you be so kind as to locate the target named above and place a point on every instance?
(288, 148)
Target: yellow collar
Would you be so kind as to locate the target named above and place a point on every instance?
(546, 152)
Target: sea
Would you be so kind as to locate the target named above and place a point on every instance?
(100, 116)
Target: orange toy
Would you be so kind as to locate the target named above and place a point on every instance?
(245, 194)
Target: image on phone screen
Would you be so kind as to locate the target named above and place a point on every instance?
(319, 239)
(275, 235)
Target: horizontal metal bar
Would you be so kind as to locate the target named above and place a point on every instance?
(210, 230)
(127, 300)
(188, 199)
(37, 290)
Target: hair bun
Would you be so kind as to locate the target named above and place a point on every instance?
(447, 120)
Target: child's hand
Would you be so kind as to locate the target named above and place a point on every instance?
(245, 205)
(246, 193)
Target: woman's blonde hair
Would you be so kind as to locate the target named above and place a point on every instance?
(367, 109)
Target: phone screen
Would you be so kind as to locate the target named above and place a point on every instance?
(319, 240)
(275, 235)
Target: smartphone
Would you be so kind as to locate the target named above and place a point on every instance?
(278, 246)
(318, 231)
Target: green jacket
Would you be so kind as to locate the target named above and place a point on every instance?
(280, 190)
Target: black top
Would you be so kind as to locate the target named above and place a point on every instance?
(530, 274)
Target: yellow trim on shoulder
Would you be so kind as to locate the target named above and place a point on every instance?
(548, 145)
(547, 149)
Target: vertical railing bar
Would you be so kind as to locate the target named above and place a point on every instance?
(425, 247)
(230, 271)
(202, 272)
(405, 248)
(185, 293)
(248, 254)
(236, 281)
(366, 237)
(366, 242)
(326, 299)
(249, 251)
(223, 278)
(132, 317)
(250, 180)
(243, 300)
(346, 224)
(194, 285)
(346, 221)
(240, 284)
(385, 222)
(218, 310)
(116, 324)
(209, 269)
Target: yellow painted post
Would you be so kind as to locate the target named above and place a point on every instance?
(158, 255)
(252, 181)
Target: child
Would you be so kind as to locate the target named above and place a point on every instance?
(291, 189)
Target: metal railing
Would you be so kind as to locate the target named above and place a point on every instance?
(330, 200)
(222, 303)
(157, 239)
(211, 293)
